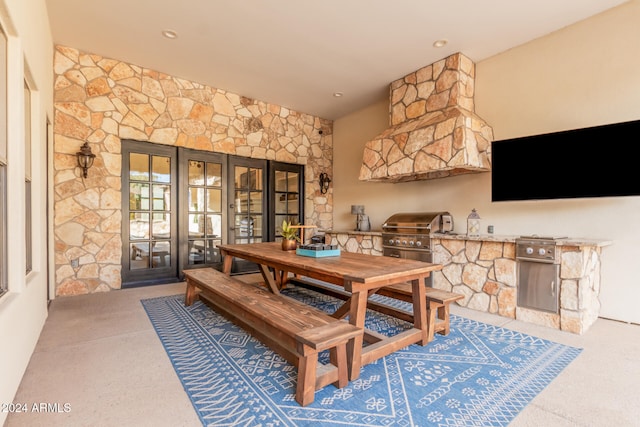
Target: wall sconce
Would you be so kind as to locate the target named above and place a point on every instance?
(324, 182)
(85, 158)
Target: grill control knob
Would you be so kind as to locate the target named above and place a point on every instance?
(404, 242)
(397, 242)
(411, 243)
(529, 250)
(541, 252)
(391, 241)
(418, 243)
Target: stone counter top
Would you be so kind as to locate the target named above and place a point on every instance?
(569, 241)
(364, 233)
(502, 238)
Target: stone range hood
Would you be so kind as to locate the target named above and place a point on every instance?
(434, 131)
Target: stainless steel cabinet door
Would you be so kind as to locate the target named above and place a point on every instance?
(538, 285)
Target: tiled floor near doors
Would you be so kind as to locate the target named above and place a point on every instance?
(100, 355)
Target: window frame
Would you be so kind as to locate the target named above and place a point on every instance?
(28, 214)
(4, 121)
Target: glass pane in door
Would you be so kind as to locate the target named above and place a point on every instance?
(214, 174)
(139, 167)
(248, 204)
(287, 198)
(204, 189)
(149, 211)
(161, 167)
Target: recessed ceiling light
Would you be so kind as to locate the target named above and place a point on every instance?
(440, 43)
(170, 34)
(338, 94)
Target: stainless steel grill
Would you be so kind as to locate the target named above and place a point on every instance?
(413, 230)
(408, 235)
(536, 249)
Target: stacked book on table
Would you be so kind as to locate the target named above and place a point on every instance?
(318, 250)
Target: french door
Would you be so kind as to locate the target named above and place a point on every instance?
(286, 200)
(149, 227)
(203, 197)
(180, 204)
(247, 205)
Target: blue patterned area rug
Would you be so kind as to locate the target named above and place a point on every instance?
(478, 375)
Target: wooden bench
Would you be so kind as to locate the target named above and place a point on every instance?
(298, 332)
(438, 302)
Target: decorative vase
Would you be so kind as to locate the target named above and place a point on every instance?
(289, 244)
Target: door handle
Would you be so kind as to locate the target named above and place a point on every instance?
(553, 288)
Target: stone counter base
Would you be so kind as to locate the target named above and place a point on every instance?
(486, 273)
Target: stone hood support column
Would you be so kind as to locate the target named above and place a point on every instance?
(434, 131)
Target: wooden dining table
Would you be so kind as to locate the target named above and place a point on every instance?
(359, 274)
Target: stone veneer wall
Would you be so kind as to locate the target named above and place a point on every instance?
(483, 271)
(359, 242)
(102, 101)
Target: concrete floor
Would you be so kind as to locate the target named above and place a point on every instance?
(100, 360)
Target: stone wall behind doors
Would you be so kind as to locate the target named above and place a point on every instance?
(103, 100)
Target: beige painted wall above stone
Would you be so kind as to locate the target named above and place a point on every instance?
(103, 100)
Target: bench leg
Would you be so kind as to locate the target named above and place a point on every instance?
(306, 387)
(443, 314)
(338, 357)
(431, 313)
(337, 373)
(438, 313)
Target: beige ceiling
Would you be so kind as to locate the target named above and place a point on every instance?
(297, 53)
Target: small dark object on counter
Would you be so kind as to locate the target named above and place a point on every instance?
(318, 238)
(319, 247)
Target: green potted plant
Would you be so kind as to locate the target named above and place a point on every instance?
(290, 237)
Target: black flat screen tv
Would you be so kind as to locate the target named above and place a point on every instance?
(598, 161)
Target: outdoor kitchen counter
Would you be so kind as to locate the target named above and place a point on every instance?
(569, 241)
(364, 242)
(483, 269)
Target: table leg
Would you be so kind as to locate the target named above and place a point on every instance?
(357, 313)
(190, 294)
(282, 277)
(226, 263)
(420, 309)
(343, 310)
(268, 278)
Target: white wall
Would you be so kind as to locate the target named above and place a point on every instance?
(584, 75)
(24, 309)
